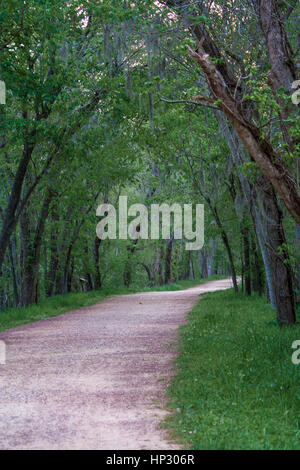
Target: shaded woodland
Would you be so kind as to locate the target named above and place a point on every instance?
(162, 101)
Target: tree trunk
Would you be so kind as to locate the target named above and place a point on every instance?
(260, 150)
(204, 267)
(228, 92)
(283, 68)
(70, 275)
(158, 274)
(54, 256)
(87, 270)
(192, 271)
(9, 220)
(97, 281)
(14, 269)
(74, 237)
(127, 274)
(278, 259)
(32, 250)
(267, 221)
(246, 246)
(168, 261)
(297, 228)
(227, 245)
(257, 274)
(186, 275)
(148, 271)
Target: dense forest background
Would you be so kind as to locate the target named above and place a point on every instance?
(175, 101)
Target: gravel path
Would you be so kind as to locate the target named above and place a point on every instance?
(94, 378)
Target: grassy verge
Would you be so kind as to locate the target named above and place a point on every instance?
(54, 306)
(236, 386)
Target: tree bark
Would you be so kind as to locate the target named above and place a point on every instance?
(225, 88)
(32, 250)
(283, 69)
(257, 274)
(9, 220)
(204, 268)
(97, 280)
(74, 237)
(158, 274)
(127, 274)
(168, 261)
(54, 257)
(297, 228)
(267, 220)
(246, 246)
(14, 269)
(226, 243)
(259, 148)
(148, 271)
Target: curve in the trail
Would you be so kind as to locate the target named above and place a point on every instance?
(94, 378)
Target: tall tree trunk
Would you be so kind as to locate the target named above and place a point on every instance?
(257, 271)
(246, 246)
(9, 220)
(127, 274)
(148, 271)
(192, 271)
(267, 220)
(187, 270)
(273, 237)
(74, 238)
(87, 270)
(168, 261)
(204, 267)
(226, 244)
(54, 256)
(283, 67)
(97, 280)
(297, 228)
(260, 150)
(158, 274)
(66, 270)
(12, 256)
(32, 250)
(70, 275)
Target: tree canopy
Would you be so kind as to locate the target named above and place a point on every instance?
(162, 101)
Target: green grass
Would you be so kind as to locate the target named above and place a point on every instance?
(54, 306)
(236, 386)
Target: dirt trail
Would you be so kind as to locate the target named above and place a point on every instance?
(94, 378)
